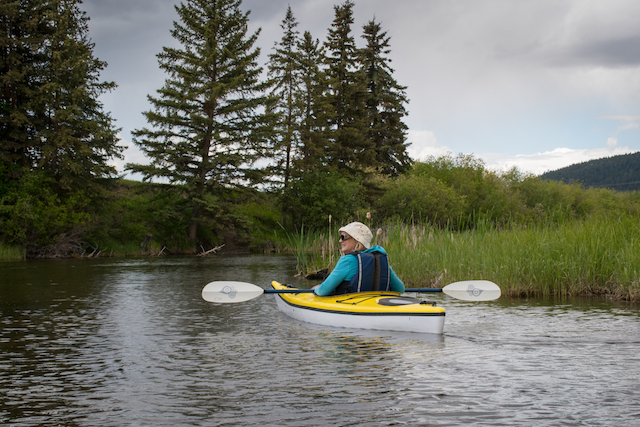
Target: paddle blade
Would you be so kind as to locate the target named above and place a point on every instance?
(230, 292)
(473, 290)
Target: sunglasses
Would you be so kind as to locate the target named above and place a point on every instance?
(344, 237)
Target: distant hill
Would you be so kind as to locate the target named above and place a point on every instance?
(621, 173)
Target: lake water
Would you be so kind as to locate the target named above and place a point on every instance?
(130, 342)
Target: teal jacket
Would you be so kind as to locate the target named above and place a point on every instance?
(346, 268)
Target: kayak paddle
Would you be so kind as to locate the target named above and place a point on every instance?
(230, 291)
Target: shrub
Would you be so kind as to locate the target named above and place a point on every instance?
(311, 200)
(414, 198)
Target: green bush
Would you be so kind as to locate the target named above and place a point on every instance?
(138, 216)
(415, 198)
(32, 213)
(311, 200)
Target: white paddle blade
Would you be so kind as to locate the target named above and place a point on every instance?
(473, 290)
(230, 292)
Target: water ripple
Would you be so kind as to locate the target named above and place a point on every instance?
(130, 342)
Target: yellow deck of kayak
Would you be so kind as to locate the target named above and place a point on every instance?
(359, 303)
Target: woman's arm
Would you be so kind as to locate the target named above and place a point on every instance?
(339, 274)
(396, 284)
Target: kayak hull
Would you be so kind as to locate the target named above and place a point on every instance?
(387, 311)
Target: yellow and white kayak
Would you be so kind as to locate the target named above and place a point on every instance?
(388, 311)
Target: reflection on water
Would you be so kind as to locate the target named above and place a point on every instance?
(131, 342)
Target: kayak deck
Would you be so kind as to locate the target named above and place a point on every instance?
(366, 310)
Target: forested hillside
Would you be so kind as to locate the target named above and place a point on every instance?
(621, 173)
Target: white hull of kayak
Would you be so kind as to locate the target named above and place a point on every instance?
(402, 323)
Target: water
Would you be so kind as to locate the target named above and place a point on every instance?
(131, 343)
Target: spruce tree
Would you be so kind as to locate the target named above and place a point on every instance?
(349, 150)
(77, 137)
(51, 118)
(21, 55)
(312, 125)
(385, 102)
(209, 125)
(314, 105)
(285, 78)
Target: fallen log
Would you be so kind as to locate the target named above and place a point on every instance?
(210, 251)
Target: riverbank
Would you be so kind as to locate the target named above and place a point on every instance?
(594, 257)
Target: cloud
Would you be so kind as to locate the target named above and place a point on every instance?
(623, 118)
(132, 154)
(424, 144)
(628, 121)
(539, 163)
(612, 53)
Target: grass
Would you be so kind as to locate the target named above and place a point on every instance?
(313, 250)
(598, 256)
(9, 253)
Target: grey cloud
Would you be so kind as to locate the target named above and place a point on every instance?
(621, 52)
(264, 10)
(612, 53)
(121, 25)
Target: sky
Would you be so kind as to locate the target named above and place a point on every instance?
(535, 84)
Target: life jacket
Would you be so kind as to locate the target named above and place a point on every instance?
(373, 274)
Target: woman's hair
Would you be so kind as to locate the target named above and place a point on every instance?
(359, 247)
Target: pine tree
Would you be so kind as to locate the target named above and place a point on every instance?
(77, 136)
(315, 108)
(384, 103)
(312, 126)
(209, 124)
(21, 56)
(51, 118)
(285, 78)
(349, 150)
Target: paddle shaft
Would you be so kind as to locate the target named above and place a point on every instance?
(287, 291)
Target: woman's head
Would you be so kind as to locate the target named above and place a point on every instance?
(355, 237)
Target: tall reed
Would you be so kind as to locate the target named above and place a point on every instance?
(8, 252)
(597, 256)
(314, 250)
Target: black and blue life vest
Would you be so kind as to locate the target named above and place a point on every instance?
(373, 274)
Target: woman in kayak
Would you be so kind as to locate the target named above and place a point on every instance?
(362, 268)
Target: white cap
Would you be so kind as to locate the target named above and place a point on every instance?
(359, 232)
